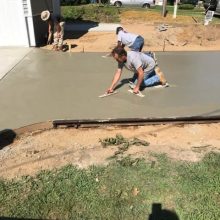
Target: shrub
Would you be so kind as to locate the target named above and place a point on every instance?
(192, 2)
(72, 13)
(186, 6)
(91, 13)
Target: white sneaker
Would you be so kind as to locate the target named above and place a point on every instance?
(162, 86)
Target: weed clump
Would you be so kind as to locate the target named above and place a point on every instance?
(122, 143)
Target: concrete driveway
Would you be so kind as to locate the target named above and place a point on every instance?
(47, 85)
(10, 57)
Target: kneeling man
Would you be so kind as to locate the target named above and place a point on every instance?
(146, 72)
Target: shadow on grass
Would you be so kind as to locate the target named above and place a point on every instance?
(162, 214)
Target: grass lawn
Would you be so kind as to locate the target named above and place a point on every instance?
(125, 189)
(112, 14)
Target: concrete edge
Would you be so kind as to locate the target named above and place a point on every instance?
(41, 126)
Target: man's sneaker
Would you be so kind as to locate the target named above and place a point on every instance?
(162, 86)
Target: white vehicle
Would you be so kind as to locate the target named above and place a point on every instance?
(142, 3)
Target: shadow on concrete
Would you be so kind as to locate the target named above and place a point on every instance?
(162, 214)
(7, 137)
(123, 82)
(75, 30)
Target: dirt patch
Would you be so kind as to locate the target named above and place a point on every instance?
(185, 33)
(152, 17)
(55, 148)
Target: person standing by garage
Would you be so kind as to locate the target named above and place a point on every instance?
(133, 41)
(55, 29)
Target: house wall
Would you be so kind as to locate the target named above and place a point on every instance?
(13, 29)
(21, 23)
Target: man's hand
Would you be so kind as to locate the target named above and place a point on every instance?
(49, 40)
(110, 90)
(114, 81)
(136, 90)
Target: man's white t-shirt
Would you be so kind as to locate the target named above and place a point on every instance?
(136, 60)
(126, 38)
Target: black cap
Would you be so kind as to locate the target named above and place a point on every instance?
(118, 29)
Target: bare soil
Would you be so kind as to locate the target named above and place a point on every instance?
(55, 148)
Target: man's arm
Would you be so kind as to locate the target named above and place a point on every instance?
(120, 44)
(50, 33)
(140, 73)
(115, 80)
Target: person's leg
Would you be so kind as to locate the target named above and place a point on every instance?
(141, 43)
(153, 78)
(60, 43)
(150, 79)
(138, 44)
(55, 41)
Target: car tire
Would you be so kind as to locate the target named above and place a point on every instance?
(118, 4)
(146, 5)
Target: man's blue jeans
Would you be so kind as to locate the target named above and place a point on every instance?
(138, 44)
(150, 79)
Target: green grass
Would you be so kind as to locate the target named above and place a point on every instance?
(111, 14)
(91, 13)
(191, 189)
(158, 9)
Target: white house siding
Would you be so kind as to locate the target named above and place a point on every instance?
(13, 31)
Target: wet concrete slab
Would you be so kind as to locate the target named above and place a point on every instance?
(49, 85)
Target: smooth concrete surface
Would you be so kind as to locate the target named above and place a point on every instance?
(48, 85)
(9, 57)
(90, 27)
